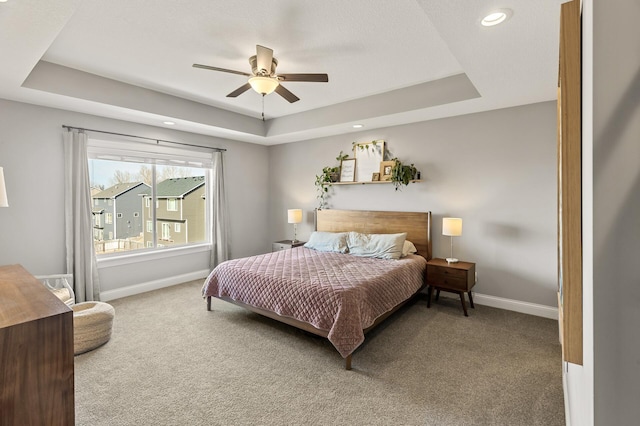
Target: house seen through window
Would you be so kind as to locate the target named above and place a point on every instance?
(124, 185)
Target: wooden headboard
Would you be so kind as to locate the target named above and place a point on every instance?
(417, 225)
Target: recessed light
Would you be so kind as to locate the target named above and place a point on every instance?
(358, 126)
(496, 17)
(169, 123)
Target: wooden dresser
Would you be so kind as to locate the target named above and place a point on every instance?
(36, 353)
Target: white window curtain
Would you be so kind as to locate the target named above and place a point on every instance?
(218, 217)
(81, 258)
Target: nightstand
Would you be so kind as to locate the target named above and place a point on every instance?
(286, 244)
(457, 277)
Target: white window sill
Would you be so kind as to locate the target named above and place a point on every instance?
(109, 261)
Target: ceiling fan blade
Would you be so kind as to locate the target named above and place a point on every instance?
(207, 67)
(280, 90)
(264, 58)
(239, 91)
(320, 78)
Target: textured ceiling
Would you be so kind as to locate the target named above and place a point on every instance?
(388, 62)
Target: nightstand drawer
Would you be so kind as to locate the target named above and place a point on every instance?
(446, 271)
(438, 279)
(285, 244)
(280, 246)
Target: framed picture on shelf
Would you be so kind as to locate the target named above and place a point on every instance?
(385, 169)
(375, 177)
(348, 170)
(369, 156)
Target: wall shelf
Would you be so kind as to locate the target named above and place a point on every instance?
(371, 182)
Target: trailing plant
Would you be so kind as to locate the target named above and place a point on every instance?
(402, 174)
(341, 157)
(324, 180)
(363, 146)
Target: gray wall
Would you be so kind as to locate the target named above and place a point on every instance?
(616, 211)
(496, 170)
(32, 156)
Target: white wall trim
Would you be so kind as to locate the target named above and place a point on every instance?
(108, 295)
(137, 256)
(544, 311)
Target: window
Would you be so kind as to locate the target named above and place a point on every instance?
(175, 175)
(108, 218)
(166, 228)
(96, 220)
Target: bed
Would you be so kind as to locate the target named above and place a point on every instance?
(334, 295)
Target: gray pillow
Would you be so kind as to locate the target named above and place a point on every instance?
(328, 241)
(383, 246)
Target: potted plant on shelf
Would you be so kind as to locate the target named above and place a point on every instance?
(402, 174)
(324, 180)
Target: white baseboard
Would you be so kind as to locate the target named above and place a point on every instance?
(105, 296)
(544, 311)
(481, 299)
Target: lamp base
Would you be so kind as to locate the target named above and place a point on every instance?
(452, 260)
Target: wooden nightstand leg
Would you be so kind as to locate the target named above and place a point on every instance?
(464, 304)
(471, 300)
(429, 293)
(437, 294)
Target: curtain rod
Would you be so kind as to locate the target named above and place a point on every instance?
(64, 126)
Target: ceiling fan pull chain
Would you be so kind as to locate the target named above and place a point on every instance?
(263, 107)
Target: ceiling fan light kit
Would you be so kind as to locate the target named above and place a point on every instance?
(263, 78)
(263, 85)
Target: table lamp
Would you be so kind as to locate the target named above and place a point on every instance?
(452, 227)
(294, 216)
(3, 190)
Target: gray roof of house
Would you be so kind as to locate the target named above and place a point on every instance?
(119, 189)
(178, 187)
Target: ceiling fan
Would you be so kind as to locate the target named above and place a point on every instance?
(263, 78)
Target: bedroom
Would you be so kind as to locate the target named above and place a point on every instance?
(471, 164)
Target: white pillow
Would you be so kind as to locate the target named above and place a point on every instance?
(408, 248)
(328, 241)
(383, 246)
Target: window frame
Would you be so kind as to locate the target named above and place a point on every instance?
(153, 155)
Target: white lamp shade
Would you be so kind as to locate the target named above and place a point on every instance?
(3, 190)
(294, 215)
(263, 85)
(452, 226)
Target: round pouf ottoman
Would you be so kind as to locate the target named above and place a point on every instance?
(92, 323)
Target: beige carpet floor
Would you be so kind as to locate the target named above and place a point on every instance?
(170, 362)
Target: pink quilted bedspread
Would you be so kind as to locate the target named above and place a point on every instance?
(339, 293)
